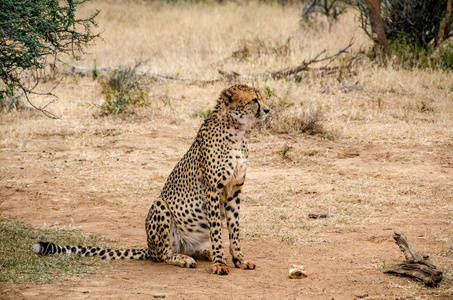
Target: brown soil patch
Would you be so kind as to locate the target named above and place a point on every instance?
(343, 256)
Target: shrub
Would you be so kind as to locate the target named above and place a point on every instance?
(406, 53)
(411, 28)
(203, 113)
(415, 21)
(329, 8)
(33, 34)
(445, 60)
(290, 118)
(122, 88)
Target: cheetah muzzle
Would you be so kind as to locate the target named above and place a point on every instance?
(185, 221)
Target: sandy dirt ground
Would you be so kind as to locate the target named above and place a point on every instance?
(385, 164)
(107, 190)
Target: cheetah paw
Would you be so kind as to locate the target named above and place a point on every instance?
(184, 261)
(190, 263)
(220, 269)
(244, 264)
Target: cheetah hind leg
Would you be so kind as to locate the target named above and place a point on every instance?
(158, 224)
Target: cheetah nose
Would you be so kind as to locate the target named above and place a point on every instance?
(266, 110)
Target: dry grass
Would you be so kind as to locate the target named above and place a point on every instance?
(375, 105)
(20, 265)
(378, 133)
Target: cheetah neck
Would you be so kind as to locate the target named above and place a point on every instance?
(235, 125)
(233, 129)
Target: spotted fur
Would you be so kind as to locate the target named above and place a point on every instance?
(185, 221)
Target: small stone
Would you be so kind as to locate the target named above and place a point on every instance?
(159, 295)
(297, 272)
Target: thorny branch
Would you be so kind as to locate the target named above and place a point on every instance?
(42, 109)
(305, 66)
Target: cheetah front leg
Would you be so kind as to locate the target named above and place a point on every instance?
(218, 258)
(232, 207)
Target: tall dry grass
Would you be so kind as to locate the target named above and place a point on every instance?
(197, 40)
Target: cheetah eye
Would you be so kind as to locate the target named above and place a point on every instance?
(255, 100)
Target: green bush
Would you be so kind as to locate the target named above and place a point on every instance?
(122, 88)
(446, 56)
(411, 28)
(33, 34)
(407, 53)
(416, 21)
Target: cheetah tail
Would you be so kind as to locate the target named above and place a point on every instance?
(46, 248)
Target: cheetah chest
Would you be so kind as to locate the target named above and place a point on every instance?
(239, 168)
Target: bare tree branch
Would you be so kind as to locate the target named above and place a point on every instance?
(305, 64)
(41, 109)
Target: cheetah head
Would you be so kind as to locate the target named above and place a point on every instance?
(245, 104)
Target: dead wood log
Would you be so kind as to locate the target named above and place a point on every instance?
(292, 71)
(416, 264)
(203, 82)
(305, 65)
(409, 251)
(84, 71)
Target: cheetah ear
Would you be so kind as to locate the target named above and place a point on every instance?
(227, 97)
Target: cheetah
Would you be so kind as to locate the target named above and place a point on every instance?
(185, 221)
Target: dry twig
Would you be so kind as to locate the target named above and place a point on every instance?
(84, 71)
(286, 73)
(292, 73)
